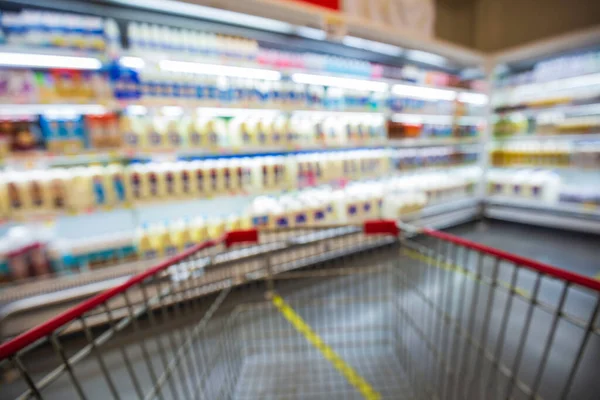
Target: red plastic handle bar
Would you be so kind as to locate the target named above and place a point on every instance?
(242, 236)
(546, 269)
(381, 227)
(10, 347)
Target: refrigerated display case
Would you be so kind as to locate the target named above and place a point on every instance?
(544, 149)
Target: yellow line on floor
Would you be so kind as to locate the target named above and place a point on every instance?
(313, 338)
(597, 276)
(415, 255)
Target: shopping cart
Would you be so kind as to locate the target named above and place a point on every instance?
(336, 312)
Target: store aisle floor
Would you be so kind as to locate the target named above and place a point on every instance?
(577, 252)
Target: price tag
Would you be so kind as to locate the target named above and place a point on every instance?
(335, 27)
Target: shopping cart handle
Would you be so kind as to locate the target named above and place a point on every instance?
(381, 227)
(241, 236)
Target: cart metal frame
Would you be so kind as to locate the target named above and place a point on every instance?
(334, 311)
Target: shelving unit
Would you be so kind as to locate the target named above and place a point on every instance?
(547, 115)
(286, 26)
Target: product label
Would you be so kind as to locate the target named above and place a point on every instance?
(352, 210)
(99, 194)
(301, 218)
(260, 221)
(185, 182)
(153, 183)
(155, 138)
(37, 198)
(170, 180)
(58, 193)
(136, 186)
(200, 180)
(319, 215)
(227, 179)
(213, 179)
(282, 221)
(175, 139)
(195, 138)
(119, 187)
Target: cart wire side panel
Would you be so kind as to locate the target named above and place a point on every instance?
(337, 312)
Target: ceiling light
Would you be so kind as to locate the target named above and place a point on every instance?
(219, 70)
(344, 83)
(48, 61)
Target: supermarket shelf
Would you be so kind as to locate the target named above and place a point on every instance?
(437, 119)
(564, 137)
(445, 209)
(41, 160)
(57, 110)
(571, 109)
(572, 83)
(430, 142)
(35, 299)
(563, 216)
(530, 53)
(291, 17)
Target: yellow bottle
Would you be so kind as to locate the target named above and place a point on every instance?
(81, 192)
(143, 244)
(215, 228)
(172, 181)
(174, 135)
(116, 181)
(180, 235)
(198, 230)
(200, 182)
(264, 131)
(157, 134)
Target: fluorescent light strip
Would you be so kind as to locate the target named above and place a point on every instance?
(424, 92)
(344, 83)
(373, 46)
(57, 110)
(219, 70)
(234, 112)
(426, 58)
(311, 33)
(422, 119)
(214, 14)
(48, 61)
(132, 62)
(473, 98)
(320, 114)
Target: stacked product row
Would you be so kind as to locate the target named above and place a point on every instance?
(583, 154)
(546, 124)
(84, 189)
(197, 132)
(81, 189)
(556, 68)
(63, 30)
(389, 198)
(70, 134)
(406, 130)
(159, 87)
